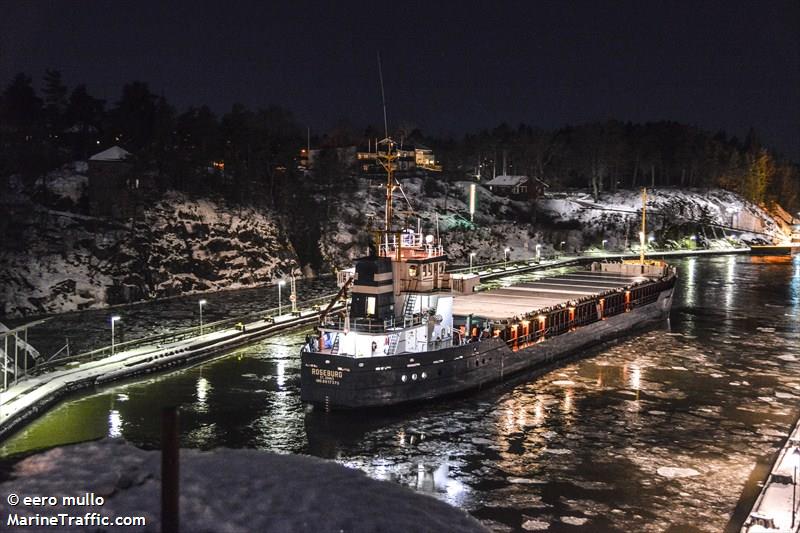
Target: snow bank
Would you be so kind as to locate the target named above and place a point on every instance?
(228, 491)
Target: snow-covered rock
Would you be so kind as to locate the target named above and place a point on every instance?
(573, 218)
(63, 261)
(226, 491)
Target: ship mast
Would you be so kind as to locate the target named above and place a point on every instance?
(387, 162)
(643, 233)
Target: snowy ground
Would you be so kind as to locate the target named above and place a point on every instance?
(227, 491)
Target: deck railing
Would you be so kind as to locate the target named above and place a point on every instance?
(367, 325)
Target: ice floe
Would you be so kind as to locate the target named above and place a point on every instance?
(674, 472)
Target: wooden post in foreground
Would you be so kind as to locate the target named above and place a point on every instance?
(170, 471)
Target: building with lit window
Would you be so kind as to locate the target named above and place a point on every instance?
(517, 187)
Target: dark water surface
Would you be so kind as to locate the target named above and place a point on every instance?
(670, 430)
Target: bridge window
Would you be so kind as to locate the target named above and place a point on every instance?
(370, 305)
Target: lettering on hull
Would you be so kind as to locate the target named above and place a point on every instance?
(326, 377)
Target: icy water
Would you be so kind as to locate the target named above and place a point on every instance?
(670, 430)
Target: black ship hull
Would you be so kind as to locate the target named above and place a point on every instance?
(336, 381)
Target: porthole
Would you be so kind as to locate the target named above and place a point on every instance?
(414, 377)
(404, 378)
(424, 375)
(360, 365)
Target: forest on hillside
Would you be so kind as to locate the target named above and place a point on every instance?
(259, 149)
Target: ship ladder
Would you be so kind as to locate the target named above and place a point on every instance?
(394, 340)
(335, 347)
(408, 309)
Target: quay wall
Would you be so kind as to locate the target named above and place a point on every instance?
(34, 400)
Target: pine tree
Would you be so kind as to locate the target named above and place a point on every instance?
(55, 102)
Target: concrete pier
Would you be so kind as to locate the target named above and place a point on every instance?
(509, 268)
(26, 399)
(775, 509)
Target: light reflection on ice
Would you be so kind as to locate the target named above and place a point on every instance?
(690, 287)
(280, 371)
(730, 285)
(203, 386)
(114, 423)
(635, 376)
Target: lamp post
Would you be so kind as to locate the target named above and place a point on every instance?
(795, 461)
(201, 303)
(113, 320)
(538, 253)
(505, 256)
(561, 246)
(471, 255)
(281, 283)
(603, 244)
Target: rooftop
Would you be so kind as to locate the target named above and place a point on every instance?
(508, 181)
(115, 153)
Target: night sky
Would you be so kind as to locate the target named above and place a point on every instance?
(449, 68)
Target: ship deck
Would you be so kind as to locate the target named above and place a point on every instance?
(517, 300)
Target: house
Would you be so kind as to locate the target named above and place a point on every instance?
(425, 158)
(517, 187)
(113, 189)
(411, 160)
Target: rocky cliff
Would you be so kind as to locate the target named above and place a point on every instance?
(61, 260)
(55, 258)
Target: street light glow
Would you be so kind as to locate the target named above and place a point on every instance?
(281, 283)
(113, 320)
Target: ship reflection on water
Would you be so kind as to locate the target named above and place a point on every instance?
(657, 431)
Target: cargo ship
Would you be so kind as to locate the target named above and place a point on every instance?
(412, 331)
